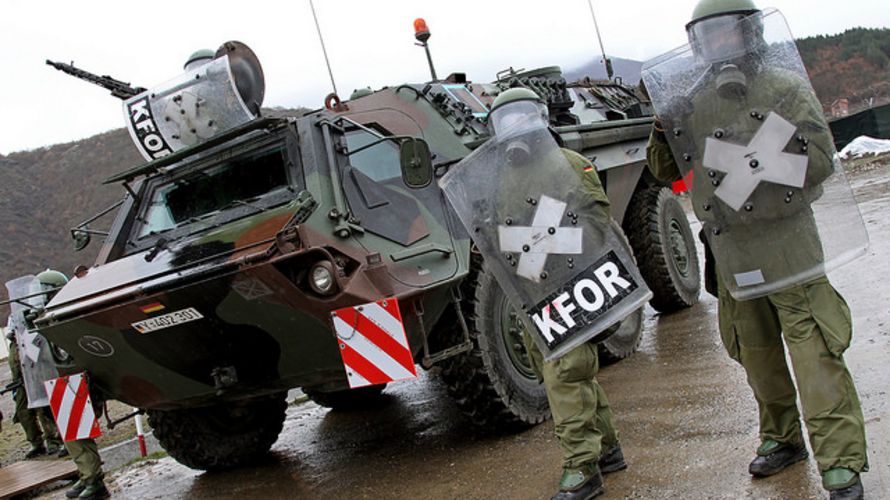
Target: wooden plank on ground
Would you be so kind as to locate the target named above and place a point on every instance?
(25, 476)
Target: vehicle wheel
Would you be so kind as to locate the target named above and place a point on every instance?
(659, 233)
(493, 384)
(624, 342)
(222, 436)
(347, 399)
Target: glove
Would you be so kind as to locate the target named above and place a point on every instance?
(658, 129)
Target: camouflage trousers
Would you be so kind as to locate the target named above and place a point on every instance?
(582, 417)
(38, 423)
(814, 321)
(85, 454)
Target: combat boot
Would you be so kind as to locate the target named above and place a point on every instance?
(76, 489)
(582, 483)
(612, 460)
(94, 491)
(773, 457)
(35, 451)
(842, 484)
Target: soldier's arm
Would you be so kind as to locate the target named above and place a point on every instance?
(658, 155)
(813, 127)
(589, 179)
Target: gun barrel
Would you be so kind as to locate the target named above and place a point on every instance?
(119, 89)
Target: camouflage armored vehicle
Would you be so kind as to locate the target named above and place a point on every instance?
(244, 242)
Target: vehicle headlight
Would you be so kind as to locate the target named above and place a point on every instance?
(321, 278)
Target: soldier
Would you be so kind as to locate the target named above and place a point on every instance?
(84, 452)
(91, 480)
(737, 91)
(581, 413)
(38, 423)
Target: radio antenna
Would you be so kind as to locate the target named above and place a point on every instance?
(606, 60)
(325, 52)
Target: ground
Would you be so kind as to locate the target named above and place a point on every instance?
(686, 416)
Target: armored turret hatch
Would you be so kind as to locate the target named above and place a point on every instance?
(210, 98)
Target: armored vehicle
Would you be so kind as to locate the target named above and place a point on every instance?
(248, 250)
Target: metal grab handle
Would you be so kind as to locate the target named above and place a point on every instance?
(421, 250)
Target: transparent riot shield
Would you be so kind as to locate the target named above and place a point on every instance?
(186, 110)
(742, 121)
(34, 354)
(549, 244)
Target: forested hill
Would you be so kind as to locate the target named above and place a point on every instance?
(854, 65)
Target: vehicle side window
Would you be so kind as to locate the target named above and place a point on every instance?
(379, 162)
(228, 184)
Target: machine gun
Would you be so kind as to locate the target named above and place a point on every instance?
(119, 89)
(11, 386)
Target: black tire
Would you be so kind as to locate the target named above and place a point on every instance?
(223, 436)
(659, 233)
(625, 341)
(492, 384)
(347, 399)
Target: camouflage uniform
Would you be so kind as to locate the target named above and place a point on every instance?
(38, 423)
(813, 318)
(582, 416)
(85, 454)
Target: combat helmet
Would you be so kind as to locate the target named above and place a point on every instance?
(517, 105)
(198, 58)
(717, 31)
(52, 278)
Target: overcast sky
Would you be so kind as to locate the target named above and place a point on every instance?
(370, 43)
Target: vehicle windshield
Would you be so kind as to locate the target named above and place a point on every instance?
(237, 182)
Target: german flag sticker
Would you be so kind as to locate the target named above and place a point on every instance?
(588, 168)
(153, 307)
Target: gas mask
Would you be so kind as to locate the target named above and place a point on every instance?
(731, 82)
(518, 121)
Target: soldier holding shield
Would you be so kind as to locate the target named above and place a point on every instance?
(738, 116)
(540, 218)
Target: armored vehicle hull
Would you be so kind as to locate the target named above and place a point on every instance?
(216, 287)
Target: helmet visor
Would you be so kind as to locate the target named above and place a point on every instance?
(719, 38)
(517, 117)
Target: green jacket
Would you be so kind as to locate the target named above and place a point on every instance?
(778, 236)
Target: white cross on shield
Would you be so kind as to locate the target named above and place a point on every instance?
(761, 160)
(542, 238)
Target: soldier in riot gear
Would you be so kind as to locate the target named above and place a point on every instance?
(770, 251)
(84, 452)
(581, 413)
(37, 419)
(37, 423)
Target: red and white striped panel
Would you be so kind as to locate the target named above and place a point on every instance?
(373, 343)
(69, 398)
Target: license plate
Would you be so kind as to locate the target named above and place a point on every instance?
(167, 320)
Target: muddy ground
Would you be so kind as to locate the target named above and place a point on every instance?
(687, 419)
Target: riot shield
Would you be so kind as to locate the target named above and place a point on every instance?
(186, 110)
(548, 242)
(34, 354)
(747, 127)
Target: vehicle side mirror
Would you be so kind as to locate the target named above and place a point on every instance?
(417, 164)
(81, 239)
